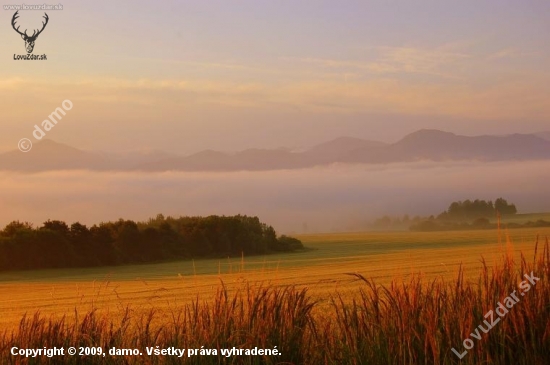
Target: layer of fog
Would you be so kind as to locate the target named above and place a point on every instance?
(315, 200)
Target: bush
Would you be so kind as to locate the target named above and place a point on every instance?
(287, 243)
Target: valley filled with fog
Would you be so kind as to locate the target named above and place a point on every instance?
(338, 197)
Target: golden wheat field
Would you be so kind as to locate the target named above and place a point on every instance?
(324, 268)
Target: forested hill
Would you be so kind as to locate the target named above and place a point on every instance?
(58, 245)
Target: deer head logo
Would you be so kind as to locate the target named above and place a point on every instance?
(29, 40)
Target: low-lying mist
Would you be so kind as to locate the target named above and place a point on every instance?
(339, 197)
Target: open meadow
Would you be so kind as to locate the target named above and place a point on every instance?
(358, 298)
(323, 268)
(345, 299)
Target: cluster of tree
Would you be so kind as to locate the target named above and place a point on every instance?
(56, 245)
(465, 214)
(468, 210)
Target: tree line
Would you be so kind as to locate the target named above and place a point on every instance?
(57, 245)
(468, 214)
(469, 210)
(459, 215)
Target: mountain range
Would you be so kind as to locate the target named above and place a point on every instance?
(426, 144)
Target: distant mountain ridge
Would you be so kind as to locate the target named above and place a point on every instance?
(426, 144)
(436, 145)
(49, 155)
(336, 149)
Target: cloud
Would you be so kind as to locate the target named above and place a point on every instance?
(509, 53)
(450, 80)
(393, 60)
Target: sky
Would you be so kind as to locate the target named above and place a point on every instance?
(184, 76)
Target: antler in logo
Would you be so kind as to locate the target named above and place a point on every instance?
(29, 40)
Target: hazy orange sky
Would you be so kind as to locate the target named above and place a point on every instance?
(189, 75)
